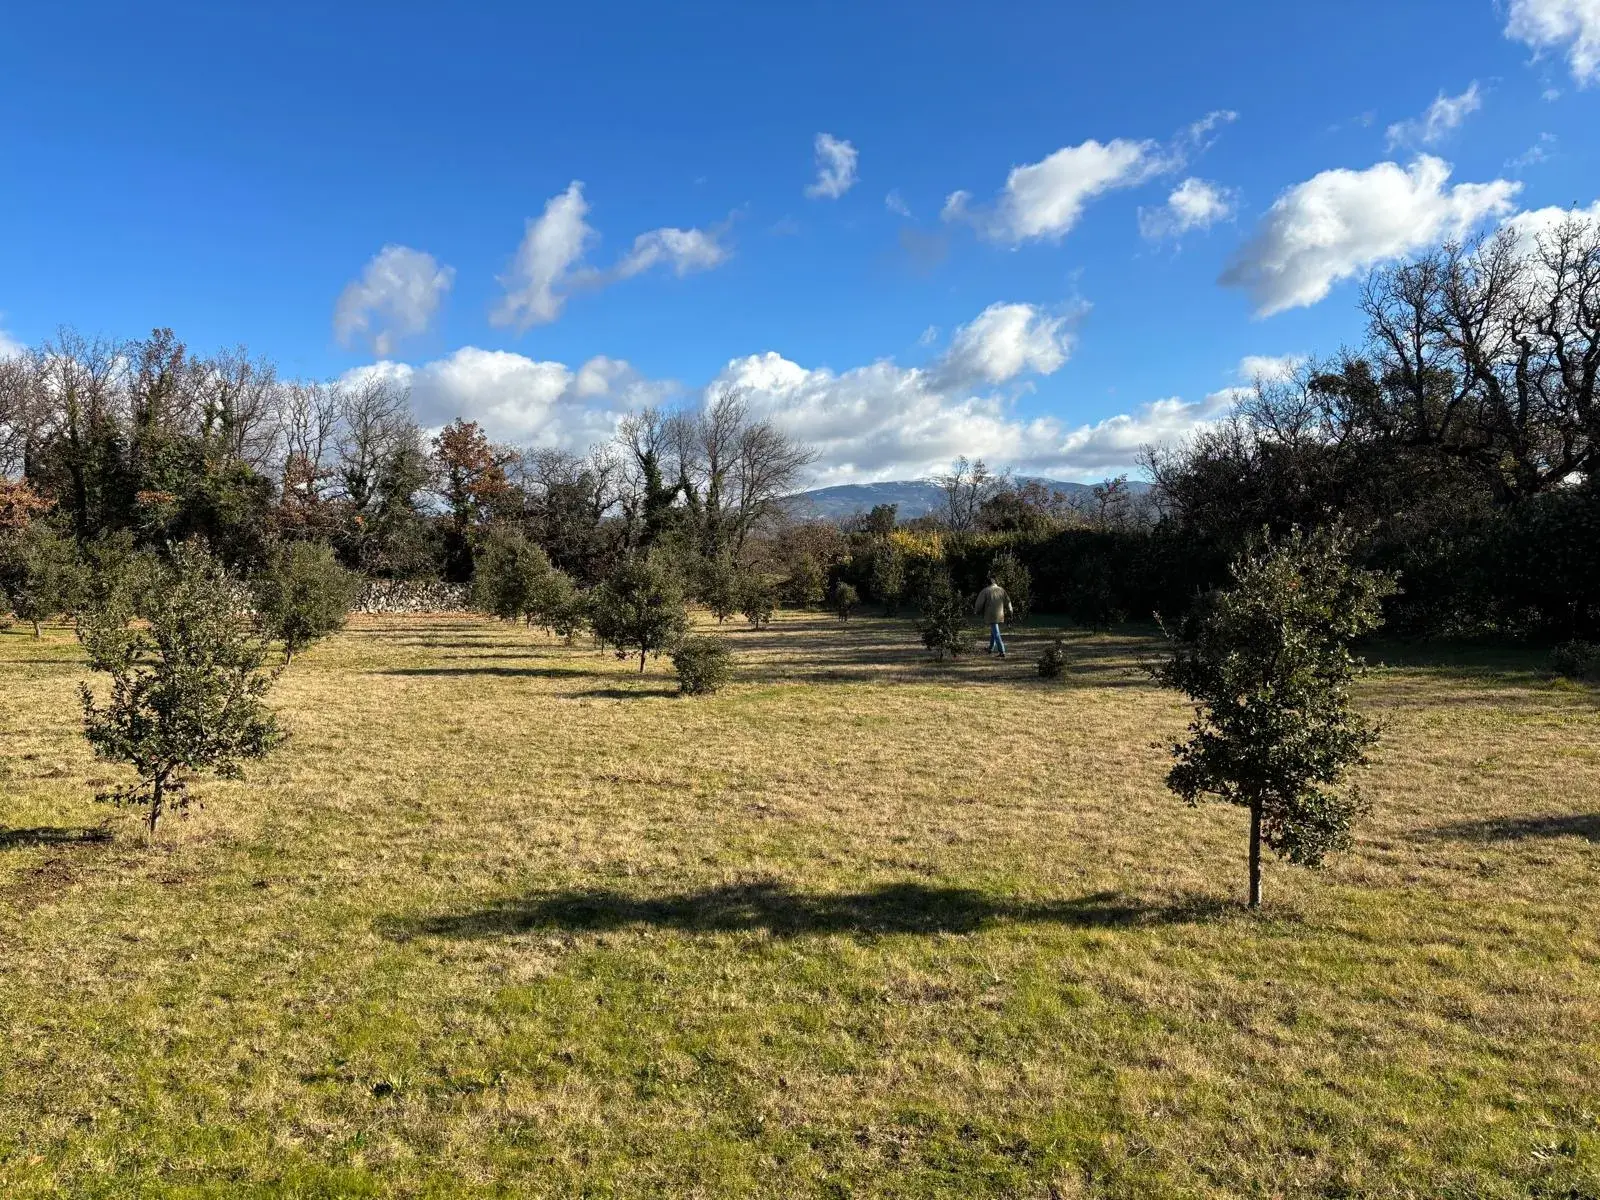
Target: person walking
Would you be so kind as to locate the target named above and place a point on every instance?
(994, 606)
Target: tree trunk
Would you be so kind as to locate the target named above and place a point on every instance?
(1255, 854)
(36, 629)
(642, 651)
(155, 804)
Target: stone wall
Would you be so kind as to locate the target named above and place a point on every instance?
(411, 596)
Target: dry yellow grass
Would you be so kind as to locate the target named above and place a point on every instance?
(504, 918)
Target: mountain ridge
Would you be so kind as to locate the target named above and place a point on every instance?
(912, 497)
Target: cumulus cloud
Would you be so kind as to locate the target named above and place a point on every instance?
(396, 297)
(1569, 25)
(1193, 204)
(1046, 198)
(1535, 223)
(871, 422)
(549, 266)
(1443, 115)
(1004, 341)
(1268, 368)
(9, 346)
(1342, 222)
(836, 168)
(520, 399)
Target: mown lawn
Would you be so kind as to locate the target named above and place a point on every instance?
(503, 918)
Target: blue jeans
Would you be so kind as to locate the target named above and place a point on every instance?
(996, 642)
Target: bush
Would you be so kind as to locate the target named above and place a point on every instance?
(565, 607)
(304, 595)
(639, 606)
(186, 684)
(703, 665)
(944, 617)
(757, 601)
(845, 599)
(1010, 574)
(1053, 662)
(1576, 660)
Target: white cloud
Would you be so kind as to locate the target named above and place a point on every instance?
(396, 297)
(1046, 198)
(684, 250)
(1268, 368)
(548, 266)
(1004, 341)
(896, 204)
(836, 168)
(1443, 115)
(1193, 204)
(551, 244)
(1534, 223)
(879, 421)
(520, 399)
(9, 346)
(1342, 222)
(1537, 153)
(1570, 24)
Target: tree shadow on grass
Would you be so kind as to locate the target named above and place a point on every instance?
(511, 672)
(624, 693)
(53, 835)
(783, 912)
(1514, 829)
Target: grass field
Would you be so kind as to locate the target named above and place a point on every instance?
(503, 918)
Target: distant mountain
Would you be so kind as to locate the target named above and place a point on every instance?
(912, 497)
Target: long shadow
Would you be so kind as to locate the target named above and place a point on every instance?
(1511, 829)
(513, 672)
(621, 693)
(53, 835)
(772, 906)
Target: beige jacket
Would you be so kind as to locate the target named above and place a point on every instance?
(993, 605)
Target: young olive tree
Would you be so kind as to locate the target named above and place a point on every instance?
(943, 624)
(187, 683)
(303, 595)
(639, 607)
(39, 572)
(1268, 665)
(512, 577)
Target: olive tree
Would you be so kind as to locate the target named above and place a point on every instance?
(39, 572)
(639, 607)
(303, 595)
(512, 577)
(187, 681)
(1268, 665)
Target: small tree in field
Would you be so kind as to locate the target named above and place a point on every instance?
(564, 608)
(757, 600)
(639, 607)
(943, 625)
(512, 577)
(303, 595)
(1267, 663)
(719, 587)
(39, 572)
(845, 599)
(186, 685)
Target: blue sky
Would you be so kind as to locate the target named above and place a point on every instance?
(1154, 194)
